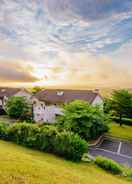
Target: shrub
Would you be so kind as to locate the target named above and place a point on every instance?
(23, 133)
(70, 146)
(46, 138)
(129, 174)
(18, 107)
(108, 165)
(82, 118)
(3, 131)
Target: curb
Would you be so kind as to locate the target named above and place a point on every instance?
(97, 141)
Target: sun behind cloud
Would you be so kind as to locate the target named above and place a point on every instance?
(71, 43)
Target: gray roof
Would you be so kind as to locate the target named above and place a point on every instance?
(64, 96)
(8, 92)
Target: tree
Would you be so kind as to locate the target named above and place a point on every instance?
(18, 107)
(122, 103)
(82, 118)
(107, 105)
(36, 89)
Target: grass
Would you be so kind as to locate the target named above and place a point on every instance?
(122, 132)
(20, 165)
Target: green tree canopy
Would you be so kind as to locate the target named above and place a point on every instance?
(82, 118)
(18, 107)
(122, 103)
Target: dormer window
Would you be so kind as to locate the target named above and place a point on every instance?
(60, 93)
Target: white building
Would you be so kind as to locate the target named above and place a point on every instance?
(47, 104)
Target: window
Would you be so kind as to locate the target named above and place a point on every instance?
(60, 93)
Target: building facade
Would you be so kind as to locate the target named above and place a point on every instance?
(47, 104)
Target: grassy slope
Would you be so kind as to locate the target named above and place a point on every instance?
(124, 132)
(19, 165)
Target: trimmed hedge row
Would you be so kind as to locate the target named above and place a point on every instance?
(125, 121)
(108, 165)
(46, 138)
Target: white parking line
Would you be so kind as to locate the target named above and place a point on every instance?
(114, 153)
(119, 148)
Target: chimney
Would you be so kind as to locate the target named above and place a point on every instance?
(96, 90)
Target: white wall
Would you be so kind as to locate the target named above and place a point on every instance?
(98, 101)
(1, 102)
(45, 113)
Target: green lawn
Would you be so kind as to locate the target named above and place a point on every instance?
(124, 132)
(19, 165)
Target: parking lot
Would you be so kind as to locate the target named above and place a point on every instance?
(120, 151)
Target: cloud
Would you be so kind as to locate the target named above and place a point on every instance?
(88, 70)
(64, 40)
(82, 25)
(89, 10)
(15, 71)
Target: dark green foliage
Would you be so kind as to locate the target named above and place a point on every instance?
(109, 165)
(70, 146)
(86, 120)
(23, 133)
(122, 104)
(107, 105)
(3, 131)
(18, 107)
(46, 138)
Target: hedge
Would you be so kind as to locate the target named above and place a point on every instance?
(3, 131)
(23, 133)
(109, 165)
(125, 121)
(46, 138)
(70, 145)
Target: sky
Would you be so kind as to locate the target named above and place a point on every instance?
(69, 43)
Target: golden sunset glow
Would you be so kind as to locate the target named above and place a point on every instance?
(50, 44)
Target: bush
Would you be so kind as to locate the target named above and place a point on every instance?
(48, 138)
(70, 146)
(3, 131)
(23, 133)
(129, 174)
(108, 165)
(84, 119)
(18, 107)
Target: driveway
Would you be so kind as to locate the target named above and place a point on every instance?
(120, 151)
